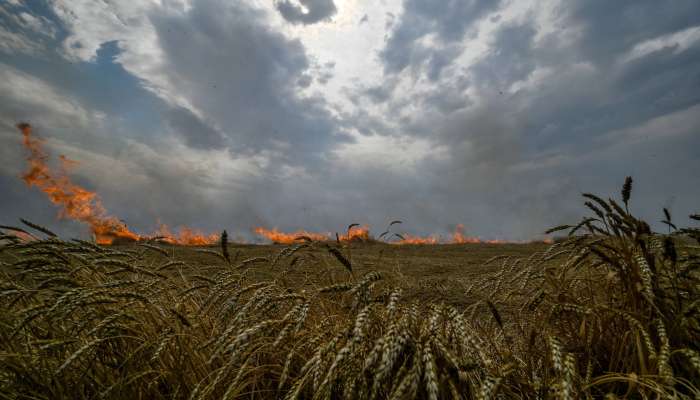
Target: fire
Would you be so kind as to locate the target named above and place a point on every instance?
(80, 204)
(410, 239)
(75, 202)
(359, 233)
(458, 236)
(186, 236)
(287, 238)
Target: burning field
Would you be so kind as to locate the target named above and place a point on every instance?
(344, 199)
(80, 204)
(609, 311)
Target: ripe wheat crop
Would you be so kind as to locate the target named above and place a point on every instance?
(611, 311)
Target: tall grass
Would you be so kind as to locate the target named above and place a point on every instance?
(611, 311)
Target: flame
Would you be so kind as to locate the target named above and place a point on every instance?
(80, 204)
(410, 239)
(458, 236)
(186, 236)
(287, 238)
(360, 233)
(75, 202)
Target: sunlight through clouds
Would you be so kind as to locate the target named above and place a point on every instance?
(471, 104)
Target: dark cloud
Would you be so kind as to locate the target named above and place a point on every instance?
(304, 81)
(242, 77)
(193, 130)
(449, 21)
(609, 30)
(322, 73)
(379, 94)
(28, 30)
(448, 98)
(532, 141)
(313, 11)
(389, 19)
(512, 58)
(504, 144)
(580, 99)
(257, 73)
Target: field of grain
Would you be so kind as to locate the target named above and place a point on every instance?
(613, 311)
(429, 272)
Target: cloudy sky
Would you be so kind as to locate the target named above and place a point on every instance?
(316, 114)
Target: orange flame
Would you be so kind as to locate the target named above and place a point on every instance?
(276, 236)
(359, 233)
(410, 239)
(458, 236)
(186, 236)
(80, 204)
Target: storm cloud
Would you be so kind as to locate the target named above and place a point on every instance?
(313, 10)
(229, 114)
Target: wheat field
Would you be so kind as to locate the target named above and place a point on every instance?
(612, 310)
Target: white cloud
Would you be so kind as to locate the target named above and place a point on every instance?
(135, 180)
(30, 96)
(27, 98)
(680, 41)
(92, 24)
(39, 25)
(684, 122)
(491, 110)
(352, 46)
(402, 155)
(11, 43)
